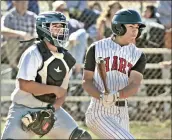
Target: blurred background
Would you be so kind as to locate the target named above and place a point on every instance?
(89, 21)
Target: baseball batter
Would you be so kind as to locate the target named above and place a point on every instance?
(41, 86)
(107, 115)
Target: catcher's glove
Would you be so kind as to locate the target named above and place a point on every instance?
(40, 122)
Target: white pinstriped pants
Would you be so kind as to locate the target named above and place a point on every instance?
(109, 123)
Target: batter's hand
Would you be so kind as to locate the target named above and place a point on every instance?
(109, 99)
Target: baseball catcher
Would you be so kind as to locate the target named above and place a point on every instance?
(42, 82)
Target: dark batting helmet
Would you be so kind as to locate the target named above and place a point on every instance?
(43, 22)
(126, 16)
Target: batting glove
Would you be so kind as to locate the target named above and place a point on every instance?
(108, 99)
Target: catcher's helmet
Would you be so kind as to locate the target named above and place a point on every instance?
(43, 22)
(126, 16)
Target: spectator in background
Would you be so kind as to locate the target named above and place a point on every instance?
(73, 24)
(77, 37)
(151, 13)
(17, 24)
(96, 7)
(32, 6)
(91, 15)
(104, 21)
(166, 64)
(164, 10)
(76, 7)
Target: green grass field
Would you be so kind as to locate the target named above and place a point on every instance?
(140, 130)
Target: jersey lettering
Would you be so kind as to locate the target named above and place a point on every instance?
(122, 64)
(129, 66)
(107, 63)
(115, 63)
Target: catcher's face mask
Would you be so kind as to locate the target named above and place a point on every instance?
(53, 27)
(60, 33)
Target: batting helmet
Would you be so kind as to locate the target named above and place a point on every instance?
(43, 22)
(126, 16)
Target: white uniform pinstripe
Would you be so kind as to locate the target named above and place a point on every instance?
(113, 122)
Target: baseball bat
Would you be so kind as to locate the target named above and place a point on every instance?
(102, 72)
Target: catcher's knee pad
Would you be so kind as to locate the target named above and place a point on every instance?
(79, 133)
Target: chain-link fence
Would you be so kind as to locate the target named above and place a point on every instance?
(154, 98)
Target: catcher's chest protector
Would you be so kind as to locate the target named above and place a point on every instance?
(54, 66)
(54, 71)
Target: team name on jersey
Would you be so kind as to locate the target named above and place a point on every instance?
(121, 67)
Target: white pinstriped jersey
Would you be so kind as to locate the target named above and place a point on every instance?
(119, 61)
(112, 122)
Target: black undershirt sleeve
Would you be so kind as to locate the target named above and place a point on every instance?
(89, 63)
(141, 64)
